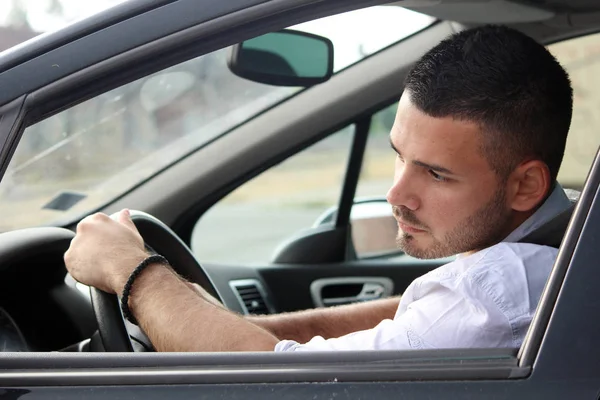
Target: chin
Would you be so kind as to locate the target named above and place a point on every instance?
(410, 245)
(422, 248)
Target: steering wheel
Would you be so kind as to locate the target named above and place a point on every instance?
(159, 237)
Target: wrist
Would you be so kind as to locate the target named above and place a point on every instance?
(122, 274)
(142, 277)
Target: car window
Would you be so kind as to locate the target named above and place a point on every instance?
(86, 156)
(374, 229)
(581, 58)
(301, 193)
(276, 205)
(377, 172)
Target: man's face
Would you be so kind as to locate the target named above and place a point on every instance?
(446, 198)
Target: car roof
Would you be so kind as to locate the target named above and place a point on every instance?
(54, 55)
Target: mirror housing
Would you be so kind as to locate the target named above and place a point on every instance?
(284, 58)
(374, 227)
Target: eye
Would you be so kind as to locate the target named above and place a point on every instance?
(437, 177)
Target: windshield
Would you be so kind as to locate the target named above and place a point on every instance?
(21, 20)
(84, 157)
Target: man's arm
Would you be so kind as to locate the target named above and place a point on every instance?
(175, 319)
(301, 326)
(330, 322)
(105, 252)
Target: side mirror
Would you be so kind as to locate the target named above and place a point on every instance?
(284, 58)
(374, 227)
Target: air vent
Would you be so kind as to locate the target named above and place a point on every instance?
(252, 297)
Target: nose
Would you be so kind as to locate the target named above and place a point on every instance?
(404, 190)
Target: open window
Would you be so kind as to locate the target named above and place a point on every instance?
(154, 124)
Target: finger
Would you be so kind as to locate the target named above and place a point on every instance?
(70, 250)
(83, 224)
(124, 218)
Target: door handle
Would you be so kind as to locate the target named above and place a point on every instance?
(329, 292)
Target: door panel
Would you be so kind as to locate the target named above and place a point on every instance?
(288, 286)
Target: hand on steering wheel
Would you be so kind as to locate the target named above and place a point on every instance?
(164, 241)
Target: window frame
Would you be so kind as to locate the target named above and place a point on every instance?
(158, 369)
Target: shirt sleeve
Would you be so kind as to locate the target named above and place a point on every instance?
(454, 312)
(380, 337)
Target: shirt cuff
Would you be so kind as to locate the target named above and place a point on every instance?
(313, 345)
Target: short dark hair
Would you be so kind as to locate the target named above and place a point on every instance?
(505, 81)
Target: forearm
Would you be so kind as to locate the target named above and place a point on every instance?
(176, 319)
(330, 322)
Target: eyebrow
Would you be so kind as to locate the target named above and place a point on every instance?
(433, 167)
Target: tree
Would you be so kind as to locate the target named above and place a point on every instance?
(17, 16)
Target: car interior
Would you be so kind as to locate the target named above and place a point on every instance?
(195, 202)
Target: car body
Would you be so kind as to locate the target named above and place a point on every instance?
(56, 79)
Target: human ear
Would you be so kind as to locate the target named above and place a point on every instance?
(530, 184)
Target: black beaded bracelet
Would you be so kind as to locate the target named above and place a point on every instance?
(153, 259)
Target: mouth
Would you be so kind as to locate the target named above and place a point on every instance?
(408, 228)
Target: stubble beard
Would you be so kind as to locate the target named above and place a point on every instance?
(484, 228)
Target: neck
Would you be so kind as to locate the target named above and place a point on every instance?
(515, 220)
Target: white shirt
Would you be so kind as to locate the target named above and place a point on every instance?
(486, 299)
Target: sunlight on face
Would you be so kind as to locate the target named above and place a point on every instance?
(446, 198)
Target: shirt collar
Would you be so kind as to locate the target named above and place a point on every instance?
(556, 203)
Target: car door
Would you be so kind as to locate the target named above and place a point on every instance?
(560, 356)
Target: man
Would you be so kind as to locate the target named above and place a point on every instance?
(479, 136)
